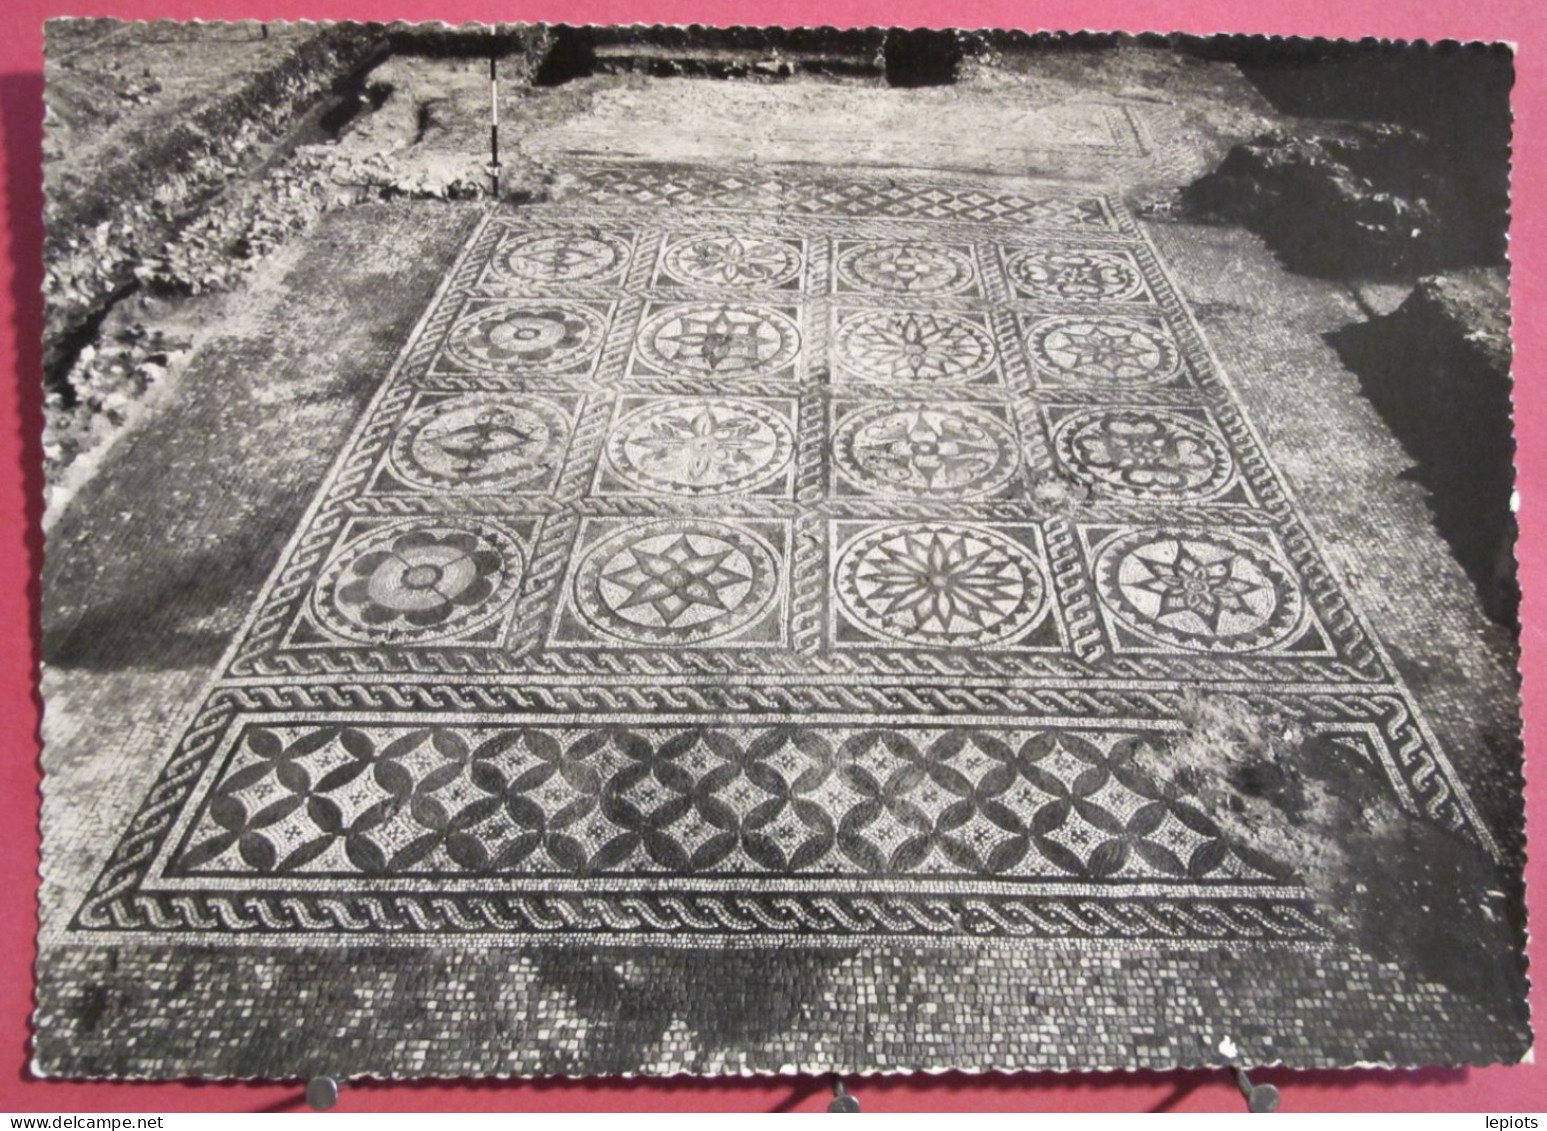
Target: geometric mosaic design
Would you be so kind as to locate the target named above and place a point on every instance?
(941, 584)
(1145, 454)
(342, 800)
(708, 569)
(700, 446)
(936, 450)
(904, 267)
(1076, 276)
(1112, 350)
(739, 262)
(481, 442)
(929, 349)
(726, 340)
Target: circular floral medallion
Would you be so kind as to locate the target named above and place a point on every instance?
(1206, 591)
(524, 336)
(1121, 350)
(1145, 454)
(937, 348)
(1076, 276)
(732, 261)
(416, 581)
(906, 268)
(940, 585)
(676, 581)
(701, 447)
(917, 451)
(481, 441)
(720, 340)
(560, 257)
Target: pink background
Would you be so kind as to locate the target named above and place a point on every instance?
(1498, 1090)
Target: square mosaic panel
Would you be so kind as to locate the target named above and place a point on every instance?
(1074, 275)
(675, 582)
(1106, 354)
(731, 260)
(523, 338)
(929, 451)
(943, 585)
(1217, 590)
(700, 447)
(417, 582)
(916, 267)
(527, 262)
(716, 341)
(929, 351)
(1176, 456)
(457, 443)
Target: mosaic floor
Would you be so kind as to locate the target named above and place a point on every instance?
(751, 562)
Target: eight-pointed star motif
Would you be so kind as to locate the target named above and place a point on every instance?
(1206, 589)
(1101, 348)
(677, 578)
(676, 582)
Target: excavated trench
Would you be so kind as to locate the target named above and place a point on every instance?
(1398, 173)
(1437, 369)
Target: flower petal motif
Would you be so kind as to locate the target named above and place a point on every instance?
(1145, 453)
(925, 348)
(701, 446)
(418, 580)
(939, 584)
(523, 335)
(950, 451)
(733, 261)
